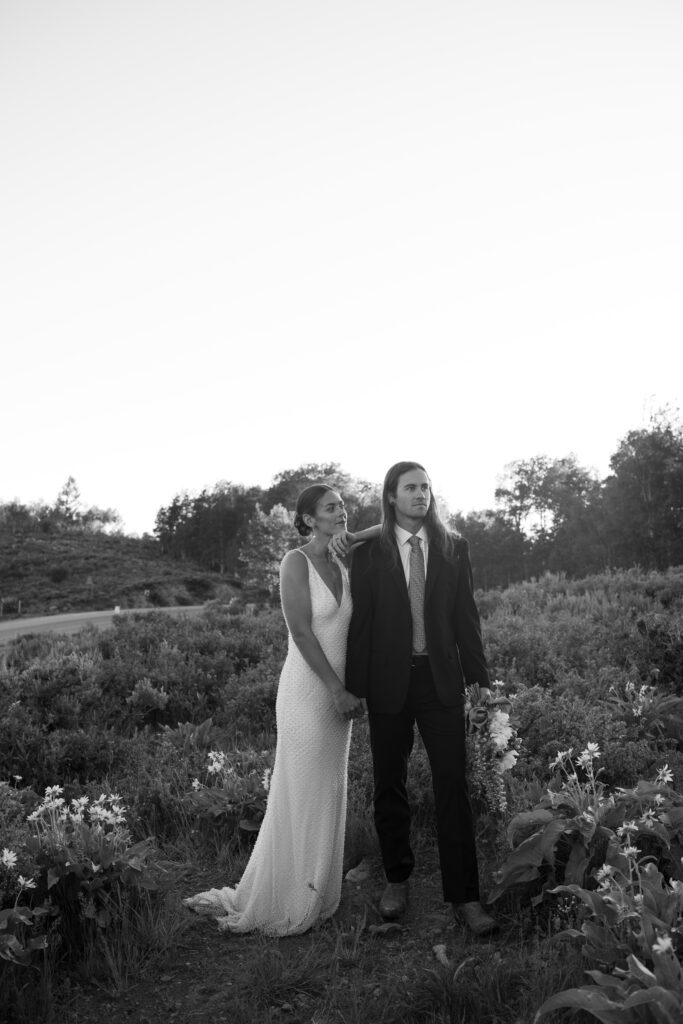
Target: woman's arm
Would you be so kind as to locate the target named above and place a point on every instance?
(296, 606)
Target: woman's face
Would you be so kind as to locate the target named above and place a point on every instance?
(330, 514)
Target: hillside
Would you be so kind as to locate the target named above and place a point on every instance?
(77, 571)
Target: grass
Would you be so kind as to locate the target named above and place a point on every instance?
(350, 970)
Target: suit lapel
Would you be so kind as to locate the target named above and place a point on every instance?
(397, 575)
(434, 564)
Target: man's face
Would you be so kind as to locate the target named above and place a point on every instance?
(412, 498)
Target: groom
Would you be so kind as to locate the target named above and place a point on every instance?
(414, 642)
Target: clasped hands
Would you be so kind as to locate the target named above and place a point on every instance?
(349, 706)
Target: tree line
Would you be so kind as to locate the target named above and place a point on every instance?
(66, 514)
(550, 514)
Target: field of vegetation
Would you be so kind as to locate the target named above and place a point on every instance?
(47, 574)
(135, 765)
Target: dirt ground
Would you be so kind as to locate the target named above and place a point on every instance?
(354, 960)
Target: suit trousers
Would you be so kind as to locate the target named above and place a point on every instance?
(443, 733)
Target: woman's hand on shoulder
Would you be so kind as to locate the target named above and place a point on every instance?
(341, 543)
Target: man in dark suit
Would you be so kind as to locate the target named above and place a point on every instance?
(414, 642)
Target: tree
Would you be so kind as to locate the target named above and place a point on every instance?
(554, 502)
(268, 539)
(208, 527)
(97, 519)
(67, 507)
(362, 499)
(498, 548)
(172, 526)
(643, 496)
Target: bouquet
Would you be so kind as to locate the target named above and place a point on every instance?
(492, 746)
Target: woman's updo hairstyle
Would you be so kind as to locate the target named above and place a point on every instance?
(306, 504)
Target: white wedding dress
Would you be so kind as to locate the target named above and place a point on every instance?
(294, 875)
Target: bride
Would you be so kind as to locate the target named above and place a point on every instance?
(294, 875)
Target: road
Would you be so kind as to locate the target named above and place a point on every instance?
(73, 621)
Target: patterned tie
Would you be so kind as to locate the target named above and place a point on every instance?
(416, 590)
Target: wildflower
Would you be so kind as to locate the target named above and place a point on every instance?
(265, 781)
(26, 883)
(592, 749)
(18, 778)
(659, 799)
(628, 826)
(561, 756)
(216, 762)
(665, 776)
(647, 818)
(196, 784)
(498, 683)
(630, 851)
(663, 944)
(606, 871)
(500, 729)
(102, 816)
(8, 859)
(53, 791)
(508, 761)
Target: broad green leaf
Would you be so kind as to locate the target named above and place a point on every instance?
(518, 875)
(593, 1000)
(666, 1005)
(551, 833)
(608, 981)
(249, 826)
(575, 871)
(527, 822)
(640, 972)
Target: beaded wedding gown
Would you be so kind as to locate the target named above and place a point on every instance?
(294, 875)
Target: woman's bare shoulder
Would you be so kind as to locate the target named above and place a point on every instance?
(295, 563)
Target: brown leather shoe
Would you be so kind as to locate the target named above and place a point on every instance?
(394, 901)
(474, 917)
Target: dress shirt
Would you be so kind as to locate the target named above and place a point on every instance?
(403, 542)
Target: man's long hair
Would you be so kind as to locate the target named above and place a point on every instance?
(439, 536)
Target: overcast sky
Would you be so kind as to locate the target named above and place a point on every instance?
(241, 235)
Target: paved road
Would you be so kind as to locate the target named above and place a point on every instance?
(73, 621)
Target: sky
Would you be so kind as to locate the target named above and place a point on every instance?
(237, 236)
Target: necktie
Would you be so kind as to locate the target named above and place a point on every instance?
(416, 591)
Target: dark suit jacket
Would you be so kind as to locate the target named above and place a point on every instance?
(380, 635)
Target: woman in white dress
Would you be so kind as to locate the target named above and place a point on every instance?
(294, 875)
